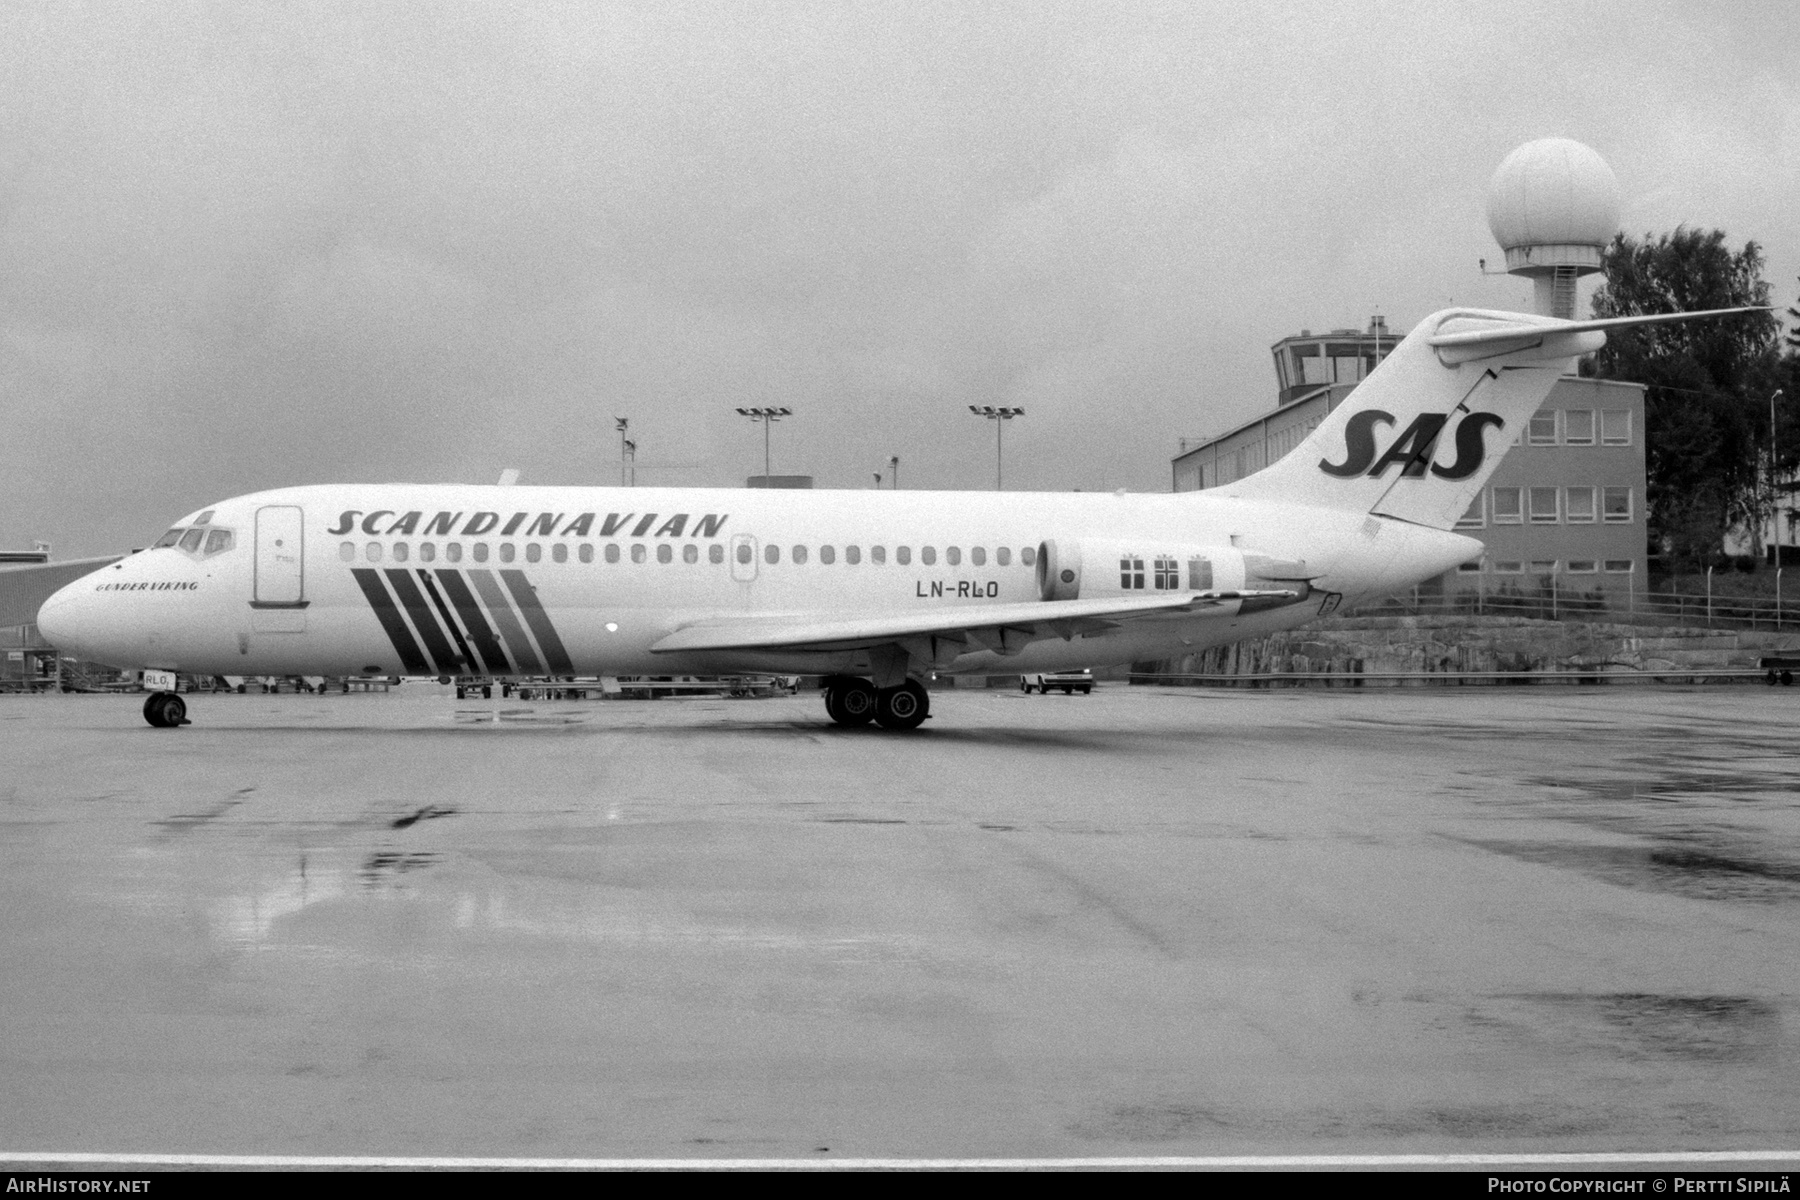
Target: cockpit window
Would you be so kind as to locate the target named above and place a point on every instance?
(168, 539)
(190, 541)
(218, 541)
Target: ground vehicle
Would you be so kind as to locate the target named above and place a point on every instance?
(1069, 682)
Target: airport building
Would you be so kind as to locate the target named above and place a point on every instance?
(1564, 510)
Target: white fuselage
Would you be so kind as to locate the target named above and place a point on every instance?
(407, 579)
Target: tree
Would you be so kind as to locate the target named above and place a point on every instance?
(1706, 408)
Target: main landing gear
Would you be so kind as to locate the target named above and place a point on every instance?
(850, 702)
(166, 710)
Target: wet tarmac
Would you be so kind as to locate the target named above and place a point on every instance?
(1146, 922)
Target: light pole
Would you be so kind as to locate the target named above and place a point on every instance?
(1774, 495)
(894, 471)
(621, 424)
(999, 416)
(631, 457)
(768, 416)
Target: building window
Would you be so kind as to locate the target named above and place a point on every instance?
(1582, 566)
(1540, 566)
(1508, 567)
(1542, 430)
(1581, 505)
(1618, 505)
(1470, 567)
(1476, 517)
(1131, 573)
(1543, 506)
(1578, 427)
(1615, 427)
(1168, 574)
(1508, 506)
(1620, 566)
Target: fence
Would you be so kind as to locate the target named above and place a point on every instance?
(1552, 602)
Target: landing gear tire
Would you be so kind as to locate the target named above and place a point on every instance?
(165, 710)
(850, 702)
(903, 707)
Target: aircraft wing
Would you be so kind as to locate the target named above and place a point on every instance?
(1004, 628)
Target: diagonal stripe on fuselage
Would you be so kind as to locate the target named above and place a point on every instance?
(391, 621)
(424, 620)
(480, 632)
(539, 620)
(510, 629)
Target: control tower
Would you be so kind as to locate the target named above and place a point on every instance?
(1553, 206)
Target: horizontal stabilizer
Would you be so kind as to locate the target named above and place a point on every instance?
(1512, 331)
(1007, 626)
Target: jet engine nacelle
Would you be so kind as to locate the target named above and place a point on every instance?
(1095, 568)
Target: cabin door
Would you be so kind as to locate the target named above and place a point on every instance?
(280, 562)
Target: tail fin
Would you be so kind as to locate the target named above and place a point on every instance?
(1420, 437)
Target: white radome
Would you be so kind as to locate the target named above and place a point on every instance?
(1553, 192)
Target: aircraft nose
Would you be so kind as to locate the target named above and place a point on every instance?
(66, 618)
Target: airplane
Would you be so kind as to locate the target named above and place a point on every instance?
(874, 591)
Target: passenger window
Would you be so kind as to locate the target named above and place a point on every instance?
(690, 553)
(508, 551)
(612, 552)
(1003, 556)
(1028, 556)
(716, 553)
(928, 555)
(533, 552)
(878, 555)
(665, 553)
(559, 552)
(453, 551)
(168, 539)
(743, 552)
(799, 555)
(953, 555)
(372, 551)
(978, 556)
(903, 555)
(427, 552)
(827, 555)
(481, 552)
(771, 554)
(637, 553)
(346, 551)
(400, 552)
(587, 552)
(190, 540)
(853, 554)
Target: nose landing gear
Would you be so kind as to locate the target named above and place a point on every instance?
(166, 710)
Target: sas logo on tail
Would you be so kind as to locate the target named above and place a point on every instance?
(1412, 450)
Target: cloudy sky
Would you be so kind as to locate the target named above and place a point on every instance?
(245, 245)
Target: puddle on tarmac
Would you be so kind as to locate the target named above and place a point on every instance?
(1636, 1025)
(386, 866)
(429, 812)
(1173, 1121)
(1684, 867)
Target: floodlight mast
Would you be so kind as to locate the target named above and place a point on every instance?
(999, 415)
(768, 416)
(622, 424)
